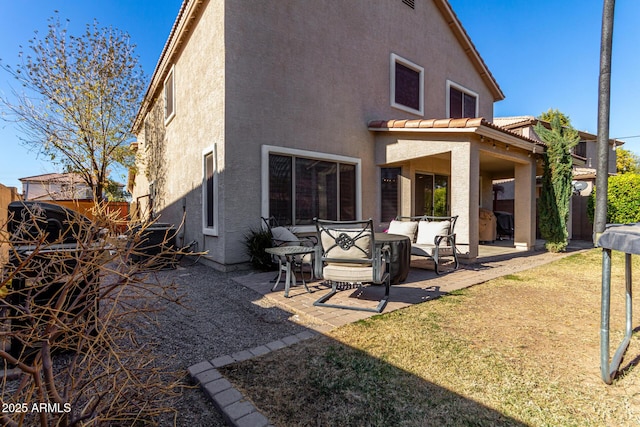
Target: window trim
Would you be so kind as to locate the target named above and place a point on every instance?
(272, 149)
(452, 84)
(210, 231)
(170, 76)
(392, 69)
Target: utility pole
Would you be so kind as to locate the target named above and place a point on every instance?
(604, 104)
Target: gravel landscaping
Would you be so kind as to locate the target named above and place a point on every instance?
(219, 317)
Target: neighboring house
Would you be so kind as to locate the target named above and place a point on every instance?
(55, 186)
(339, 110)
(585, 156)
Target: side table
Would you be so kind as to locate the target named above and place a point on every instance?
(289, 253)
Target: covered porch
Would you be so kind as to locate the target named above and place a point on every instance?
(447, 167)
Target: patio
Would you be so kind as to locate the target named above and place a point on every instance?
(422, 284)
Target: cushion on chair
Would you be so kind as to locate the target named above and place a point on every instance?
(358, 249)
(425, 250)
(404, 228)
(428, 230)
(282, 234)
(347, 273)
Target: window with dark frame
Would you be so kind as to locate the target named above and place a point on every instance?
(389, 193)
(209, 166)
(169, 96)
(461, 104)
(301, 189)
(407, 85)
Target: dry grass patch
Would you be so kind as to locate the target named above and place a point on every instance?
(520, 350)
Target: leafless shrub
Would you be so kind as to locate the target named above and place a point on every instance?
(71, 301)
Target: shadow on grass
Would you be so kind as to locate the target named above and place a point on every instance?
(321, 382)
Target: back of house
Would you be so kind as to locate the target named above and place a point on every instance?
(265, 109)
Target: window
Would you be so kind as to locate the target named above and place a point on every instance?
(304, 185)
(389, 193)
(169, 98)
(461, 102)
(209, 192)
(407, 85)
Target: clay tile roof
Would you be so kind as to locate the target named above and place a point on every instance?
(463, 123)
(429, 124)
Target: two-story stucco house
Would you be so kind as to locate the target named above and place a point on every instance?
(332, 109)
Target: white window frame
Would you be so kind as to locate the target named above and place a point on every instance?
(206, 198)
(271, 149)
(452, 84)
(400, 60)
(169, 85)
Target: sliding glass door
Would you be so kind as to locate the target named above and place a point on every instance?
(431, 194)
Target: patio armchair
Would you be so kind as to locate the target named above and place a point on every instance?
(282, 236)
(432, 237)
(349, 256)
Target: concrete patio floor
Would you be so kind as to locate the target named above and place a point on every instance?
(422, 284)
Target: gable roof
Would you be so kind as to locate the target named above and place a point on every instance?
(191, 9)
(63, 178)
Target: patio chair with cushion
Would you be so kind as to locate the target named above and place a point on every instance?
(282, 236)
(431, 236)
(349, 256)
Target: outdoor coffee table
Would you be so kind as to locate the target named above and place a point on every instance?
(289, 253)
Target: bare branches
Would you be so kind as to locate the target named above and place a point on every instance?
(73, 303)
(78, 98)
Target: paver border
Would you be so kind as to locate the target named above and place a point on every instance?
(235, 408)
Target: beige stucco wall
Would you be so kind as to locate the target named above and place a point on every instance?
(304, 75)
(171, 154)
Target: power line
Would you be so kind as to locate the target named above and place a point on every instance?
(626, 137)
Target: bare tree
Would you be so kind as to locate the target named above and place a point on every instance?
(71, 314)
(78, 99)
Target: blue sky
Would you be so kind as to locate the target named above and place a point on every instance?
(543, 54)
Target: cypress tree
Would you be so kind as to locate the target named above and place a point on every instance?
(555, 197)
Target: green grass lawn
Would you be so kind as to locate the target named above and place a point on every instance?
(520, 350)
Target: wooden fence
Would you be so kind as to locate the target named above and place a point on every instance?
(86, 208)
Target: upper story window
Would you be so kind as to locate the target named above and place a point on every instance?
(461, 102)
(581, 149)
(169, 97)
(407, 85)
